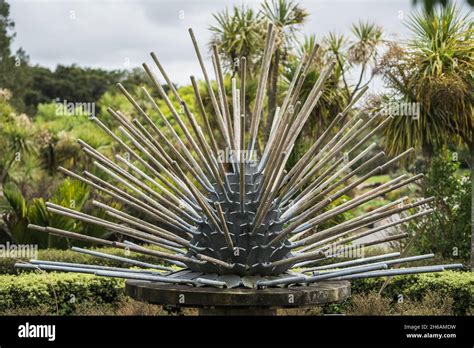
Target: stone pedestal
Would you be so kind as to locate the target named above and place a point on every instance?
(238, 301)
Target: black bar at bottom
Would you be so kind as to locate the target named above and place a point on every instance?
(291, 331)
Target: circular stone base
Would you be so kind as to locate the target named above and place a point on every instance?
(238, 301)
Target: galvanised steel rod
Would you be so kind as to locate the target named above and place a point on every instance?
(319, 161)
(276, 121)
(121, 259)
(242, 167)
(117, 228)
(106, 273)
(343, 191)
(157, 240)
(159, 165)
(317, 195)
(317, 186)
(209, 131)
(159, 202)
(165, 76)
(313, 279)
(205, 149)
(182, 160)
(218, 113)
(299, 257)
(388, 262)
(169, 216)
(129, 150)
(236, 116)
(262, 83)
(132, 201)
(204, 116)
(222, 95)
(168, 143)
(356, 222)
(225, 229)
(181, 124)
(152, 228)
(384, 240)
(399, 271)
(381, 228)
(120, 196)
(354, 262)
(358, 231)
(331, 275)
(93, 268)
(353, 203)
(186, 204)
(213, 283)
(307, 168)
(141, 247)
(78, 236)
(312, 189)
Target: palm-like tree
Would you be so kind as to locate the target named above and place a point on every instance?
(287, 17)
(237, 34)
(18, 139)
(357, 53)
(437, 73)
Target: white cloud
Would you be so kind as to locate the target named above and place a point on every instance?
(106, 34)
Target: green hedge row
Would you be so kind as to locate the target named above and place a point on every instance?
(457, 285)
(67, 290)
(61, 291)
(6, 263)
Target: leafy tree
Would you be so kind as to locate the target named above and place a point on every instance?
(357, 55)
(430, 5)
(434, 70)
(445, 232)
(13, 67)
(287, 16)
(238, 34)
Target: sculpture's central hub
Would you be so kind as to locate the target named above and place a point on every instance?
(250, 253)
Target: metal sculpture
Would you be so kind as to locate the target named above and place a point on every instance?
(246, 222)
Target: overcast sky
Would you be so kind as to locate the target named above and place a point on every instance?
(116, 34)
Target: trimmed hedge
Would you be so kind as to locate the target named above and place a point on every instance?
(6, 264)
(457, 285)
(63, 291)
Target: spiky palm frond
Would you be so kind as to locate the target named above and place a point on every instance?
(435, 72)
(367, 37)
(237, 34)
(286, 15)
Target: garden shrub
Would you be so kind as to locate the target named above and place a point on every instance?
(457, 285)
(57, 292)
(447, 231)
(369, 304)
(433, 303)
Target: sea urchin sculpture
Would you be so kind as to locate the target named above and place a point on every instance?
(222, 220)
